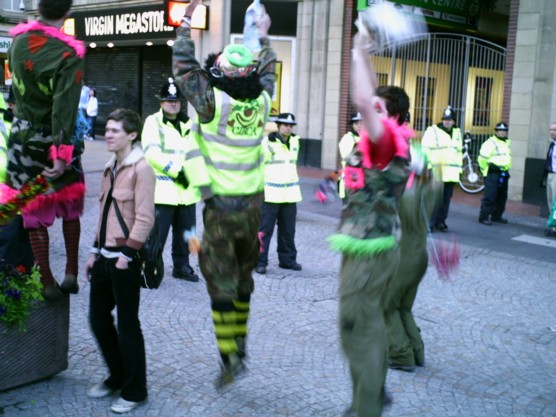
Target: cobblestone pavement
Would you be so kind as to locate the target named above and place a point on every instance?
(490, 338)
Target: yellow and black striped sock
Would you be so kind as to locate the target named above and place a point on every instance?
(241, 307)
(224, 319)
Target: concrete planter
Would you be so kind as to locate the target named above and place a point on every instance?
(41, 351)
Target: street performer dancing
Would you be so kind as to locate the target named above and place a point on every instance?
(232, 97)
(47, 68)
(375, 176)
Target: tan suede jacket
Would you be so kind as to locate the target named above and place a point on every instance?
(134, 192)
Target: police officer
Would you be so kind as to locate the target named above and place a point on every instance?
(281, 193)
(346, 145)
(443, 145)
(179, 169)
(495, 159)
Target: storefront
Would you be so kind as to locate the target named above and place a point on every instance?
(5, 44)
(128, 55)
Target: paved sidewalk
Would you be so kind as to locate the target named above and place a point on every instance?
(490, 338)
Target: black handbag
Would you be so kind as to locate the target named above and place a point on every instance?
(149, 256)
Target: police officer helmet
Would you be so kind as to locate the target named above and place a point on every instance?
(501, 126)
(169, 91)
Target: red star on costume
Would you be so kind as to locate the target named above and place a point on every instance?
(36, 42)
(29, 65)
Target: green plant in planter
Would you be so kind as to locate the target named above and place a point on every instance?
(19, 290)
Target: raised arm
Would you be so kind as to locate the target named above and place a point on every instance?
(363, 85)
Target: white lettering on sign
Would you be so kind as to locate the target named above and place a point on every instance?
(99, 25)
(5, 44)
(452, 4)
(126, 24)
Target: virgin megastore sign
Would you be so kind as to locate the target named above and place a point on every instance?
(142, 22)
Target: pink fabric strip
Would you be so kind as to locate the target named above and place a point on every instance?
(77, 45)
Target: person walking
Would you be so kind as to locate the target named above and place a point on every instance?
(47, 67)
(281, 194)
(232, 96)
(170, 149)
(443, 145)
(112, 267)
(376, 173)
(84, 96)
(92, 113)
(346, 145)
(550, 172)
(495, 160)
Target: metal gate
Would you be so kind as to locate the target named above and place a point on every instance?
(442, 69)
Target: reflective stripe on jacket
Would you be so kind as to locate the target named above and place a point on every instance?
(169, 152)
(231, 144)
(497, 152)
(444, 152)
(281, 181)
(4, 134)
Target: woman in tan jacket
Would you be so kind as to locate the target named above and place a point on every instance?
(129, 181)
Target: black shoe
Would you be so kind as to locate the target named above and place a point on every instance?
(230, 372)
(51, 292)
(442, 227)
(486, 222)
(500, 220)
(295, 266)
(260, 270)
(69, 285)
(550, 232)
(401, 367)
(185, 274)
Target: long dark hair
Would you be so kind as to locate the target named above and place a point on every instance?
(240, 88)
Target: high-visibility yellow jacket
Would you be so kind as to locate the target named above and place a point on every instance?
(231, 144)
(444, 152)
(497, 152)
(4, 134)
(281, 181)
(346, 145)
(168, 152)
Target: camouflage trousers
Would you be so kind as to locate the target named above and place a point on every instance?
(405, 345)
(230, 247)
(29, 155)
(362, 330)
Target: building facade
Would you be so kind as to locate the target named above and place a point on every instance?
(489, 60)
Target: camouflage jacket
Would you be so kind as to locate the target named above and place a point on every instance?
(370, 222)
(194, 82)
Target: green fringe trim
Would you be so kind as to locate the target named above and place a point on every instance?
(361, 247)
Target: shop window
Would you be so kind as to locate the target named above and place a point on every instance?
(11, 5)
(424, 102)
(382, 78)
(482, 101)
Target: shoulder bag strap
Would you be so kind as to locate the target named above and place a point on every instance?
(106, 208)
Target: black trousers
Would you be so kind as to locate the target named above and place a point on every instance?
(122, 347)
(181, 218)
(284, 215)
(493, 203)
(440, 212)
